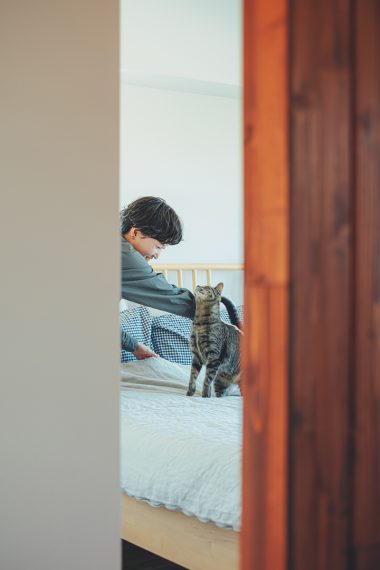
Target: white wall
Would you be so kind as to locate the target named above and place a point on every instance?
(59, 336)
(185, 146)
(188, 38)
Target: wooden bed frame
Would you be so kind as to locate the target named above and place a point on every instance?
(179, 538)
(172, 534)
(195, 269)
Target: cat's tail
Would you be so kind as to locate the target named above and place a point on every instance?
(232, 313)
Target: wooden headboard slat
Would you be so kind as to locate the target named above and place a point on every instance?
(194, 269)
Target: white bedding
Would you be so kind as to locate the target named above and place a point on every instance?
(180, 452)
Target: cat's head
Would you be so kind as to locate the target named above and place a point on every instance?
(207, 294)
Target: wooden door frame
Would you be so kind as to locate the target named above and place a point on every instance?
(311, 428)
(266, 238)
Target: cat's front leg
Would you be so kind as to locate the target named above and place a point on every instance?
(211, 370)
(196, 366)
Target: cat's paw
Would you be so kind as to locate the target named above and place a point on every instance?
(190, 392)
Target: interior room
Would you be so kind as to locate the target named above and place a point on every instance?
(180, 140)
(264, 177)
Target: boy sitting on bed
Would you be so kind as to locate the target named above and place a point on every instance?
(147, 226)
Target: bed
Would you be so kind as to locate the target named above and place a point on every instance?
(180, 465)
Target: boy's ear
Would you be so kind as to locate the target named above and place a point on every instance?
(219, 288)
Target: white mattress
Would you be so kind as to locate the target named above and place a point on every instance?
(179, 452)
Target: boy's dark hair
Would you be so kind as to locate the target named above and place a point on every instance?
(154, 218)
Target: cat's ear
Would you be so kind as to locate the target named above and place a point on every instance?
(219, 288)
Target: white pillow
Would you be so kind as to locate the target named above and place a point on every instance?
(160, 375)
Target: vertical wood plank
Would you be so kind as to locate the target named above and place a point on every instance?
(322, 284)
(367, 558)
(194, 278)
(367, 409)
(264, 528)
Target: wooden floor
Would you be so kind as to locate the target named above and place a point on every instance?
(134, 558)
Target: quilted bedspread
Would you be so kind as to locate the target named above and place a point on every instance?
(180, 452)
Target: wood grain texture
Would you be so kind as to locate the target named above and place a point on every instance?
(265, 354)
(322, 284)
(367, 558)
(266, 141)
(367, 390)
(334, 347)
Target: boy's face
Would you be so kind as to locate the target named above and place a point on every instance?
(149, 247)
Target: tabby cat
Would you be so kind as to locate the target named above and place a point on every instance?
(214, 343)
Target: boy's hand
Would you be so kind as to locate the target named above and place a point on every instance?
(143, 351)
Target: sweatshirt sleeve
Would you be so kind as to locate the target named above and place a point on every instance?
(140, 284)
(127, 342)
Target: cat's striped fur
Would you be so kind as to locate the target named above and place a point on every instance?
(213, 343)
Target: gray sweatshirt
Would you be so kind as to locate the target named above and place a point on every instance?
(140, 284)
